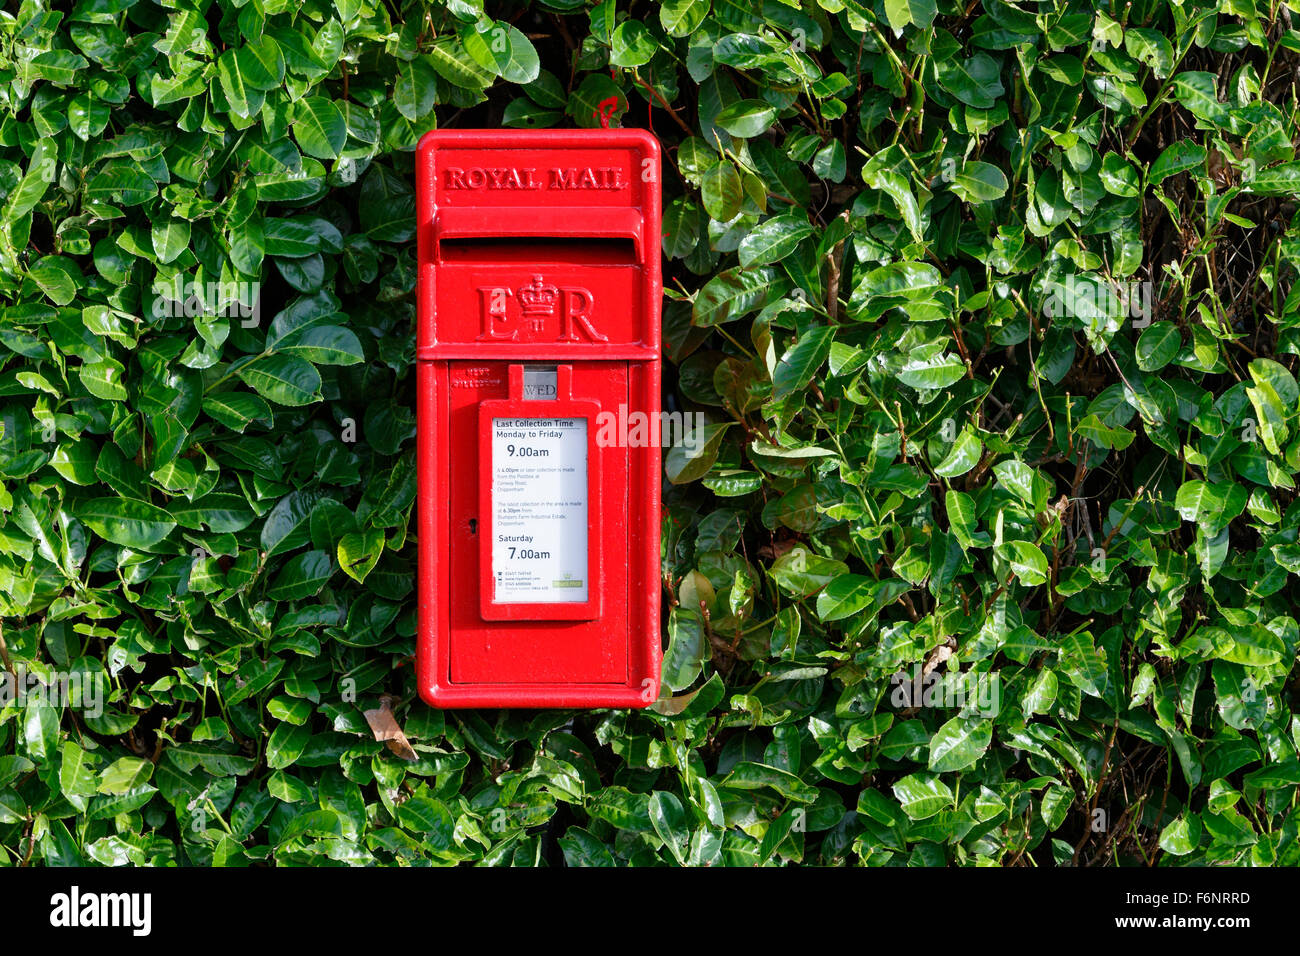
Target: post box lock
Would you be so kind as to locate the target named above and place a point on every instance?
(539, 332)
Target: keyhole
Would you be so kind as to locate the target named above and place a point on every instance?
(473, 525)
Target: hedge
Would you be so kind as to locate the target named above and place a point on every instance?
(987, 554)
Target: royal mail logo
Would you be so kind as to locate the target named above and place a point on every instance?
(527, 177)
(534, 309)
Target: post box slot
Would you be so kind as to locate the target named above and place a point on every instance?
(540, 249)
(525, 225)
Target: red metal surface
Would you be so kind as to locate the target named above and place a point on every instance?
(537, 249)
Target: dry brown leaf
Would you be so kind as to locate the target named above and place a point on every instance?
(386, 728)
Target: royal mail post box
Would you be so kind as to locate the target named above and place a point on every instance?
(539, 392)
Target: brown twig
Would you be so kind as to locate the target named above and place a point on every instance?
(1160, 816)
(1105, 545)
(961, 347)
(1096, 795)
(998, 593)
(836, 258)
(4, 654)
(664, 104)
(31, 844)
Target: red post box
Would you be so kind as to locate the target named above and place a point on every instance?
(538, 356)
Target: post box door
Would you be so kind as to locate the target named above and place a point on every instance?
(532, 631)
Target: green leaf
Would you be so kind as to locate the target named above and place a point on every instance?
(930, 367)
(1197, 500)
(1028, 562)
(57, 276)
(286, 525)
(1095, 430)
(962, 457)
(358, 553)
(126, 521)
(582, 848)
(922, 795)
(671, 823)
(40, 727)
(1016, 477)
(900, 13)
(237, 410)
(755, 776)
(845, 596)
(632, 45)
(416, 90)
(1118, 176)
(980, 182)
(105, 379)
(504, 50)
(732, 294)
(286, 744)
(217, 511)
(959, 744)
(124, 775)
(59, 67)
(975, 82)
(746, 118)
(801, 361)
(687, 650)
(387, 206)
(720, 192)
(245, 73)
(283, 379)
(451, 61)
(319, 127)
(1251, 645)
(694, 456)
(681, 18)
(325, 345)
(1181, 157)
(170, 239)
(120, 183)
(1158, 346)
(961, 517)
(32, 186)
(773, 239)
(302, 576)
(896, 187)
(76, 773)
(1182, 836)
(1196, 91)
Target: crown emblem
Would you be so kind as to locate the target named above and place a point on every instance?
(537, 301)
